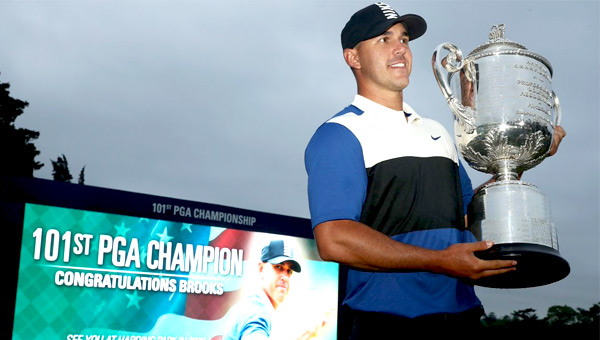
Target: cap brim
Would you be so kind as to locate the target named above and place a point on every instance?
(415, 25)
(280, 259)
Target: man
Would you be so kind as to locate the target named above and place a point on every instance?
(251, 317)
(387, 195)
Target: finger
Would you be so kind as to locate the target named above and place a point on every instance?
(481, 245)
(488, 273)
(498, 264)
(493, 264)
(554, 147)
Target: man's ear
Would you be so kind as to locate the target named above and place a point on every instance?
(351, 57)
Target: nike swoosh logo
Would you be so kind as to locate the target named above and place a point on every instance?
(435, 138)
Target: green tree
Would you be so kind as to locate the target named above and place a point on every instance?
(60, 169)
(17, 150)
(561, 322)
(61, 172)
(525, 315)
(489, 319)
(589, 316)
(561, 316)
(526, 322)
(81, 179)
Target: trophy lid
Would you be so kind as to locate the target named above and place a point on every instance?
(498, 44)
(497, 39)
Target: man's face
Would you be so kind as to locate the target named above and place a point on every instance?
(276, 281)
(386, 60)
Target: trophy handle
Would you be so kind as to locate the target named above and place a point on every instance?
(444, 69)
(557, 107)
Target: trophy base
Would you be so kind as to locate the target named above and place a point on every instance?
(537, 265)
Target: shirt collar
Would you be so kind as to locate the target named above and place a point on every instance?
(366, 104)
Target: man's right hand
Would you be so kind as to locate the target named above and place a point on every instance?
(459, 260)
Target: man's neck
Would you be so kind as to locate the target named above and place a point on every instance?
(273, 302)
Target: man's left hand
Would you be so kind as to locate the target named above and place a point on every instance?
(559, 134)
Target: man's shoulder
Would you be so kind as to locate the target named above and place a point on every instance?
(432, 124)
(332, 136)
(251, 314)
(348, 114)
(253, 305)
(336, 129)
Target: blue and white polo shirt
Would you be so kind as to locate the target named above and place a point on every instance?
(398, 173)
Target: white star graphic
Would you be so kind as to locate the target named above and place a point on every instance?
(186, 226)
(134, 299)
(164, 237)
(122, 230)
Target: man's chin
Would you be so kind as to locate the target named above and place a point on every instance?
(281, 295)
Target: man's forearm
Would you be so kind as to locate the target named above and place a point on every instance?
(357, 245)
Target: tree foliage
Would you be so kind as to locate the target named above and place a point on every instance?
(81, 179)
(561, 316)
(561, 322)
(60, 169)
(61, 172)
(17, 150)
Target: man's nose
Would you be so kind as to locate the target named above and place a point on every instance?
(399, 48)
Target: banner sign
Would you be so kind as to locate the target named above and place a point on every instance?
(87, 275)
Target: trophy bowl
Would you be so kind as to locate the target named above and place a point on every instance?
(505, 113)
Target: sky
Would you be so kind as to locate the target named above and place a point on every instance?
(215, 101)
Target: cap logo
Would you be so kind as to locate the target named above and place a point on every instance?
(388, 11)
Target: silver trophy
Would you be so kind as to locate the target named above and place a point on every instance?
(505, 113)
